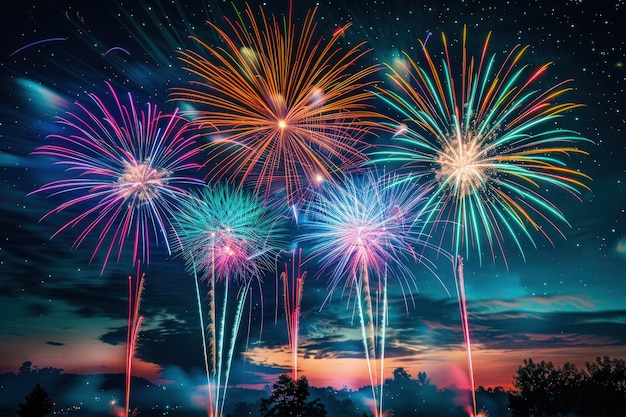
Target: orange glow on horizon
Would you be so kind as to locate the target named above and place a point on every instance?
(493, 368)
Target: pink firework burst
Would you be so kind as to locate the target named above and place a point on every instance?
(127, 168)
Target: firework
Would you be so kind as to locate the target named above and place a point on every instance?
(362, 231)
(293, 283)
(367, 222)
(459, 281)
(36, 43)
(134, 324)
(126, 171)
(284, 111)
(227, 236)
(488, 144)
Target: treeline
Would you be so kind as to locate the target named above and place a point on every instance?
(540, 389)
(545, 390)
(403, 396)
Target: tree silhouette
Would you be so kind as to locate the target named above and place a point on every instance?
(26, 368)
(544, 390)
(409, 397)
(37, 404)
(401, 391)
(289, 398)
(570, 381)
(605, 388)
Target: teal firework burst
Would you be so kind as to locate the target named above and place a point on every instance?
(228, 232)
(486, 137)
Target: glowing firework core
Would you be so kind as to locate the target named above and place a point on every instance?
(282, 124)
(462, 166)
(141, 181)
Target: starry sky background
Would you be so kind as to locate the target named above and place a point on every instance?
(564, 303)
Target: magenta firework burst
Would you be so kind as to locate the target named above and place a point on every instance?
(127, 171)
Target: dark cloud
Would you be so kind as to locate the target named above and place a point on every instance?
(37, 309)
(508, 329)
(115, 336)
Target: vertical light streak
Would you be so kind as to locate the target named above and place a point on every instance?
(203, 334)
(293, 285)
(361, 285)
(242, 295)
(383, 337)
(134, 325)
(220, 351)
(460, 290)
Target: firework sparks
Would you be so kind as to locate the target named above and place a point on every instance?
(226, 235)
(367, 221)
(362, 230)
(293, 283)
(283, 109)
(462, 299)
(134, 325)
(488, 143)
(127, 168)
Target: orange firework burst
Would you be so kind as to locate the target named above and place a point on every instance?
(284, 111)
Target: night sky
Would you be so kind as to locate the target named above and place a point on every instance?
(565, 302)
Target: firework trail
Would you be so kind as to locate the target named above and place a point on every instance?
(36, 43)
(134, 324)
(361, 231)
(283, 110)
(292, 297)
(487, 144)
(116, 48)
(126, 171)
(460, 291)
(227, 236)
